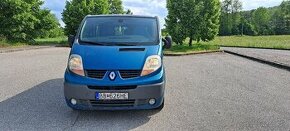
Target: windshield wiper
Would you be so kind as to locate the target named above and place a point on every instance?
(93, 43)
(124, 44)
(109, 43)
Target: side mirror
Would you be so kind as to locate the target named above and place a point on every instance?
(167, 42)
(70, 40)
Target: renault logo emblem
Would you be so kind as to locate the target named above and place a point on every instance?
(112, 75)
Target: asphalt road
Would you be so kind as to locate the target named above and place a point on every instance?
(204, 92)
(277, 56)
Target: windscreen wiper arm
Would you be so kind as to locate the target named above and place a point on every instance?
(93, 43)
(124, 44)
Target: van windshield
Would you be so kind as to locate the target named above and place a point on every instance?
(119, 31)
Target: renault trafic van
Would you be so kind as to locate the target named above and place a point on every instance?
(116, 63)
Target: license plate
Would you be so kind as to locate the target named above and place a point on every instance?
(112, 96)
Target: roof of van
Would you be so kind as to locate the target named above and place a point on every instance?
(121, 15)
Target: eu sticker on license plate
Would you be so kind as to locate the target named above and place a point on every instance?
(112, 96)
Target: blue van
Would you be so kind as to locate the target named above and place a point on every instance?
(116, 63)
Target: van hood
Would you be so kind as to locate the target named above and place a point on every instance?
(114, 57)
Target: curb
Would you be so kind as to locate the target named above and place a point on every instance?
(254, 47)
(23, 48)
(260, 60)
(191, 53)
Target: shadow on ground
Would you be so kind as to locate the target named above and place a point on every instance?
(43, 107)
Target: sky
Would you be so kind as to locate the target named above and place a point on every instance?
(153, 7)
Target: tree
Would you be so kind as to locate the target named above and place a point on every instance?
(196, 19)
(175, 29)
(48, 25)
(76, 10)
(116, 7)
(22, 20)
(281, 19)
(129, 12)
(173, 24)
(246, 28)
(210, 20)
(164, 32)
(236, 16)
(226, 21)
(261, 18)
(230, 17)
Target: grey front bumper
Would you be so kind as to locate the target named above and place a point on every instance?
(141, 95)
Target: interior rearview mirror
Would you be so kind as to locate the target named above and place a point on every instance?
(167, 42)
(70, 40)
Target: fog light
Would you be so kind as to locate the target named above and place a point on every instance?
(73, 101)
(152, 101)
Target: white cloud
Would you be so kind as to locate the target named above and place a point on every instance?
(147, 7)
(253, 4)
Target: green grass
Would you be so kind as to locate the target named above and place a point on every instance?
(194, 48)
(60, 41)
(276, 42)
(4, 44)
(52, 41)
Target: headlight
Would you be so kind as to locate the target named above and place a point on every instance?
(152, 64)
(75, 65)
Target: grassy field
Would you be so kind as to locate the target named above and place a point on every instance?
(49, 41)
(4, 44)
(177, 49)
(61, 41)
(277, 42)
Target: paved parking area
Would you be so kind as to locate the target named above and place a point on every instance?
(204, 92)
(277, 56)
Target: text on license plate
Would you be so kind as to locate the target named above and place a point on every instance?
(112, 96)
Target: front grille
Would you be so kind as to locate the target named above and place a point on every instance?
(112, 87)
(130, 73)
(98, 74)
(125, 74)
(112, 103)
